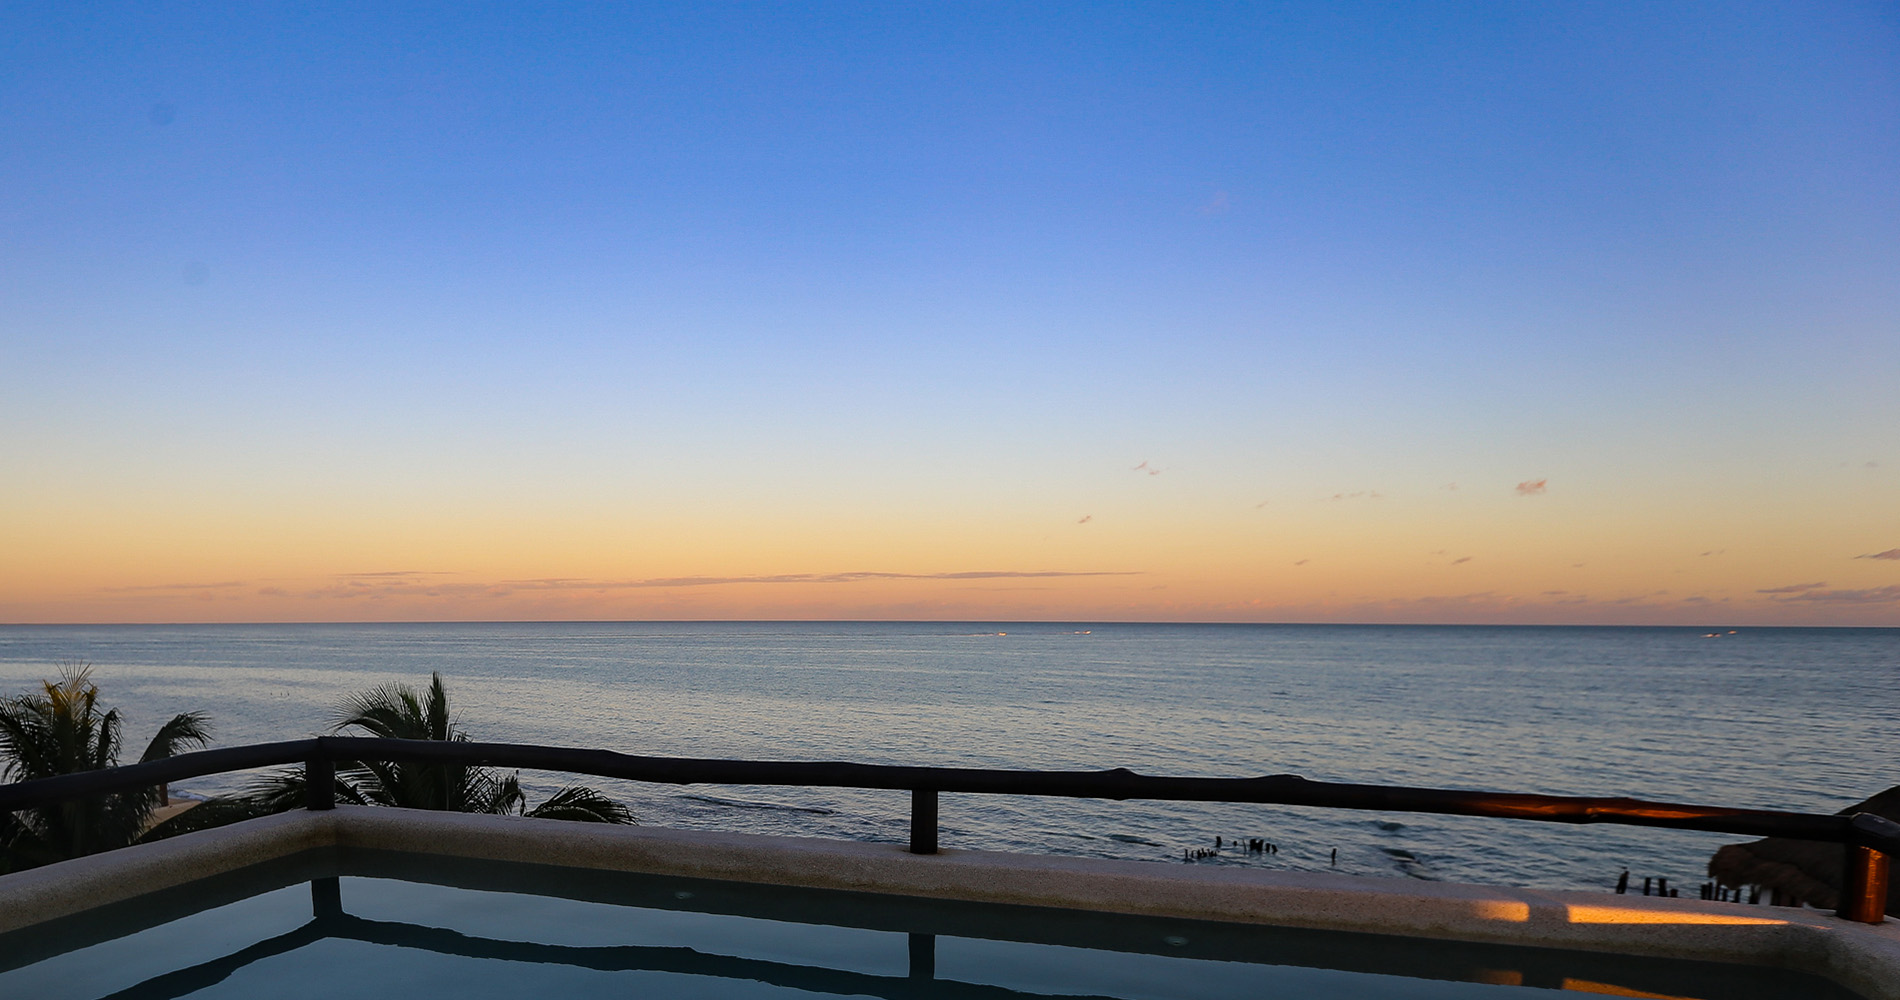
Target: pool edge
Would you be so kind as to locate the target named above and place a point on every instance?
(1862, 958)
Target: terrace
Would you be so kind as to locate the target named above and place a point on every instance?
(1629, 933)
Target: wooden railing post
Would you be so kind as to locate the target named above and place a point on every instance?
(1863, 884)
(319, 784)
(923, 821)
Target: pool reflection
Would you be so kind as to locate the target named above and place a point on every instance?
(404, 915)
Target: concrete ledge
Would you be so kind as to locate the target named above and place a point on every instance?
(1863, 958)
(59, 890)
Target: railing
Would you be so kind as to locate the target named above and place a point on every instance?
(1866, 839)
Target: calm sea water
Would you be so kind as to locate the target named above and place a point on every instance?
(1771, 718)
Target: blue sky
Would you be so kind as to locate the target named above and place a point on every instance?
(807, 265)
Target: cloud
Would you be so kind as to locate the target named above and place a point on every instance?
(1531, 487)
(1712, 552)
(1449, 486)
(1217, 204)
(1793, 588)
(1889, 554)
(1145, 467)
(272, 592)
(1086, 518)
(1259, 505)
(1482, 597)
(1461, 559)
(392, 574)
(1301, 562)
(1368, 494)
(1876, 595)
(156, 587)
(574, 583)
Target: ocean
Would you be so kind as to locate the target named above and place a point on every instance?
(1777, 718)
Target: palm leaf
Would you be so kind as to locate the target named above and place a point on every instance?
(185, 730)
(61, 729)
(582, 804)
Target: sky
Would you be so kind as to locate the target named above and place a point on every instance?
(1433, 312)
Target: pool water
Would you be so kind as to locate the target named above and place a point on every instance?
(351, 923)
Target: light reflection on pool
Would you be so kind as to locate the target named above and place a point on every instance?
(354, 923)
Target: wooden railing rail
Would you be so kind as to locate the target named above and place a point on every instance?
(1867, 840)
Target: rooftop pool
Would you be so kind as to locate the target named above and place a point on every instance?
(347, 921)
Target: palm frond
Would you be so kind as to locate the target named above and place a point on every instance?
(398, 711)
(187, 729)
(582, 804)
(61, 729)
(391, 711)
(439, 725)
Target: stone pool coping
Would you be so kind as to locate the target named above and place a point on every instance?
(1861, 957)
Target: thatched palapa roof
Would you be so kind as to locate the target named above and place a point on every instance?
(1801, 871)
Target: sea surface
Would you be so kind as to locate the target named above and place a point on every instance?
(1804, 719)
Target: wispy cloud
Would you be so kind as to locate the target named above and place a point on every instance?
(1793, 588)
(1461, 559)
(1145, 467)
(1217, 204)
(569, 583)
(1889, 554)
(1086, 518)
(163, 587)
(405, 587)
(1301, 562)
(1875, 595)
(1366, 494)
(1532, 487)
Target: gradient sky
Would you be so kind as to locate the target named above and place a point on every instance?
(1250, 312)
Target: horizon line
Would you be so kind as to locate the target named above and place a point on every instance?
(928, 621)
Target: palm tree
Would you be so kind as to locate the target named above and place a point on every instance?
(61, 730)
(398, 711)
